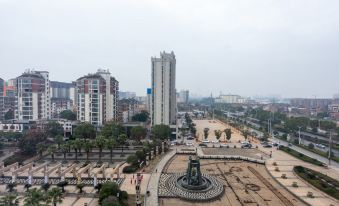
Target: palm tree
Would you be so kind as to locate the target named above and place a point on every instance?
(34, 197)
(74, 147)
(110, 144)
(55, 196)
(59, 139)
(122, 141)
(87, 147)
(40, 147)
(80, 187)
(27, 186)
(9, 200)
(10, 186)
(45, 186)
(100, 142)
(64, 149)
(62, 184)
(206, 130)
(51, 150)
(79, 144)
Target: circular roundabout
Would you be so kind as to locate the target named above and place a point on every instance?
(209, 189)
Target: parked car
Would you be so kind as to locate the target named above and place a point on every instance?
(215, 141)
(189, 144)
(205, 141)
(320, 146)
(267, 145)
(202, 145)
(224, 145)
(246, 146)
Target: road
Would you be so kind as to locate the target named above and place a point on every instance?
(333, 164)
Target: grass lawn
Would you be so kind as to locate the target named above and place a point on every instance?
(301, 156)
(322, 182)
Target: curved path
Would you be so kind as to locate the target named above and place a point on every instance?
(153, 182)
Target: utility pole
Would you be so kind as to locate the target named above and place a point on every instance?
(299, 135)
(329, 148)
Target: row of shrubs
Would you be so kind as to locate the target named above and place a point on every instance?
(301, 156)
(321, 181)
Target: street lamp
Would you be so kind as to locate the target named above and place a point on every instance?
(329, 148)
(299, 135)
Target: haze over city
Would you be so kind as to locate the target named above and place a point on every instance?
(286, 48)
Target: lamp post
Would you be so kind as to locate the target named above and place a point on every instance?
(299, 135)
(329, 148)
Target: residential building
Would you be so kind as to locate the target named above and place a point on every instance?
(183, 96)
(230, 99)
(163, 105)
(97, 98)
(2, 87)
(33, 95)
(62, 97)
(10, 88)
(7, 104)
(127, 95)
(128, 108)
(333, 110)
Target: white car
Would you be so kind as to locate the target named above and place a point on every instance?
(189, 144)
(205, 141)
(215, 141)
(244, 143)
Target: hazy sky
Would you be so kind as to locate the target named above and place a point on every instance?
(262, 47)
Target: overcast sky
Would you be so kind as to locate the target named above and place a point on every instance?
(263, 47)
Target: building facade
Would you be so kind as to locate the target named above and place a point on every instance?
(2, 87)
(163, 103)
(33, 96)
(97, 98)
(183, 96)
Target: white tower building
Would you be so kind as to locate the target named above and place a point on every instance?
(163, 102)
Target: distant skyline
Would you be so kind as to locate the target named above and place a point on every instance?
(287, 48)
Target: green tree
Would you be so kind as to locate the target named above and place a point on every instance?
(52, 150)
(68, 114)
(34, 197)
(40, 148)
(85, 130)
(62, 185)
(54, 128)
(112, 189)
(141, 117)
(9, 200)
(110, 144)
(64, 150)
(122, 141)
(80, 187)
(217, 134)
(228, 133)
(132, 159)
(138, 133)
(55, 196)
(206, 131)
(112, 129)
(10, 186)
(59, 140)
(161, 131)
(88, 145)
(9, 115)
(100, 142)
(28, 143)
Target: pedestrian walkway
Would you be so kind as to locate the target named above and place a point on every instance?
(286, 163)
(152, 187)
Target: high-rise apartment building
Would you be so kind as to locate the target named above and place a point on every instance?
(183, 96)
(2, 87)
(33, 95)
(9, 90)
(163, 103)
(97, 98)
